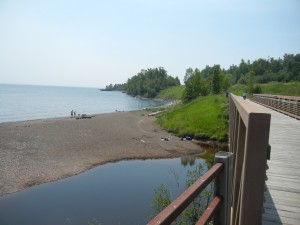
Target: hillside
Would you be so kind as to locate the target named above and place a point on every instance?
(203, 118)
(289, 89)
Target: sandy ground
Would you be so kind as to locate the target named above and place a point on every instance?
(39, 151)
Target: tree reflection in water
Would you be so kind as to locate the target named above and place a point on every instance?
(188, 160)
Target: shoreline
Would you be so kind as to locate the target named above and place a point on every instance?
(45, 150)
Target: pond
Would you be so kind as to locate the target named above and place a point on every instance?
(115, 193)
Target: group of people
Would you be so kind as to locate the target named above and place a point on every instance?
(73, 113)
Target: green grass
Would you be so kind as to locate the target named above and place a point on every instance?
(238, 89)
(203, 118)
(173, 93)
(289, 89)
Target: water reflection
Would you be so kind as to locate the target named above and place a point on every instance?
(115, 193)
(188, 160)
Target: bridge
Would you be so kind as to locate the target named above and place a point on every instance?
(249, 188)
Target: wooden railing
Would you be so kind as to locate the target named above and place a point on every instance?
(220, 204)
(249, 143)
(240, 174)
(289, 105)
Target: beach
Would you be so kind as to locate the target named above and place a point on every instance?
(39, 151)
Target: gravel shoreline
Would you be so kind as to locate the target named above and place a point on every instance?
(39, 151)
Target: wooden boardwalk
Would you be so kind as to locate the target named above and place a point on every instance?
(282, 197)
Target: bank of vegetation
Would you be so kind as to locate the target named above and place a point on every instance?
(114, 87)
(275, 88)
(147, 83)
(171, 93)
(203, 113)
(203, 118)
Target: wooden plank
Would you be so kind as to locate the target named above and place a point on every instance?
(287, 180)
(281, 219)
(291, 185)
(283, 200)
(274, 197)
(266, 222)
(295, 209)
(288, 214)
(284, 188)
(283, 175)
(283, 194)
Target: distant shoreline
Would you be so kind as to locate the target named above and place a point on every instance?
(44, 150)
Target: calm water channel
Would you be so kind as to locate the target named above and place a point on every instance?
(115, 193)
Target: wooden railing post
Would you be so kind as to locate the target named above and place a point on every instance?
(224, 187)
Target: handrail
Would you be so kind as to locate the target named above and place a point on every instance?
(249, 141)
(245, 108)
(288, 105)
(171, 212)
(210, 211)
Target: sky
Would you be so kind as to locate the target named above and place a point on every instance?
(93, 43)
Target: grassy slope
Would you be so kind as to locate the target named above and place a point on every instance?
(174, 93)
(290, 89)
(203, 118)
(206, 117)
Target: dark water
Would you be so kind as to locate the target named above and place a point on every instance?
(28, 102)
(115, 193)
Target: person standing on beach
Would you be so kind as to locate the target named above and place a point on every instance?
(72, 113)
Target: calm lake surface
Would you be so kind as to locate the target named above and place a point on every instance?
(115, 193)
(28, 102)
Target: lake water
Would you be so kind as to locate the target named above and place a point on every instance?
(28, 102)
(115, 193)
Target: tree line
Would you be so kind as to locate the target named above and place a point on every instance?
(266, 70)
(199, 83)
(147, 83)
(115, 87)
(214, 80)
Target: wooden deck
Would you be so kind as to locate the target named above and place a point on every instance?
(282, 205)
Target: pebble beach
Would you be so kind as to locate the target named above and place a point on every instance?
(39, 151)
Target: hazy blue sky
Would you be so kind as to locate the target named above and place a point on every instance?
(94, 43)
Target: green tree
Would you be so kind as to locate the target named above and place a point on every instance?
(195, 86)
(225, 81)
(216, 80)
(250, 81)
(149, 82)
(188, 74)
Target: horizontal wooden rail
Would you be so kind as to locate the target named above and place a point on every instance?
(288, 105)
(210, 211)
(171, 212)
